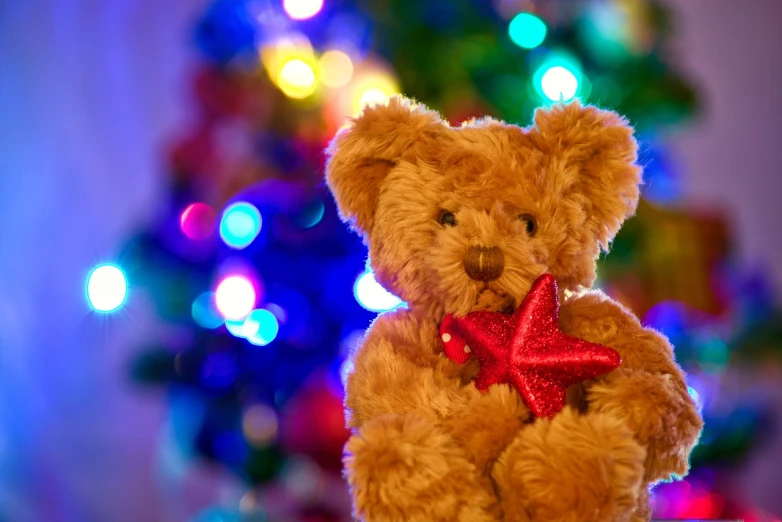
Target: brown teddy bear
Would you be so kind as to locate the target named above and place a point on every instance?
(427, 445)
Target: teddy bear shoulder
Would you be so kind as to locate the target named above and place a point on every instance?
(596, 317)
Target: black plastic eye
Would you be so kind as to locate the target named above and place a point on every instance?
(447, 218)
(531, 226)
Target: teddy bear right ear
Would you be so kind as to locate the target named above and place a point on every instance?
(361, 155)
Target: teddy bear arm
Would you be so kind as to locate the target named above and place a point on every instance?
(384, 381)
(648, 391)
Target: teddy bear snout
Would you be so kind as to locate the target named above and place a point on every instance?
(484, 263)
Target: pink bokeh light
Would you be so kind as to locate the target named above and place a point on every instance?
(198, 221)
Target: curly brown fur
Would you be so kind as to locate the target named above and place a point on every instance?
(575, 468)
(427, 445)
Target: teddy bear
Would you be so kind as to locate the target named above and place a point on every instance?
(459, 220)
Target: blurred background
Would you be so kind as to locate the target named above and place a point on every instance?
(178, 296)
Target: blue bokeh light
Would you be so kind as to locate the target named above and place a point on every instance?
(669, 317)
(371, 295)
(205, 312)
(240, 225)
(216, 514)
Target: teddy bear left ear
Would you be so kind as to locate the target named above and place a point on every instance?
(362, 155)
(596, 156)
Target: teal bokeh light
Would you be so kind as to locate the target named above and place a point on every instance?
(527, 30)
(240, 225)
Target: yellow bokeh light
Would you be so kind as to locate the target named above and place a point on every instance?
(336, 68)
(297, 79)
(276, 54)
(372, 96)
(372, 82)
(373, 88)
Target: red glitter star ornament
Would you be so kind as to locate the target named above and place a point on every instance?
(527, 349)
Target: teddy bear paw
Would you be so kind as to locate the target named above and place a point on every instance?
(573, 468)
(406, 468)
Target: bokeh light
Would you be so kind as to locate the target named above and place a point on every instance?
(669, 317)
(261, 327)
(713, 354)
(216, 514)
(236, 327)
(558, 76)
(559, 83)
(107, 288)
(527, 30)
(372, 82)
(336, 68)
(696, 397)
(259, 424)
(205, 312)
(311, 215)
(278, 52)
(302, 477)
(302, 9)
(278, 311)
(235, 297)
(240, 225)
(197, 221)
(297, 79)
(374, 87)
(372, 296)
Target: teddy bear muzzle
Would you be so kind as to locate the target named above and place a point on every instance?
(484, 263)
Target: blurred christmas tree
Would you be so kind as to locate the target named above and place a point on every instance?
(265, 291)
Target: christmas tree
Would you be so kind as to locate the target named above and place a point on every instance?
(264, 291)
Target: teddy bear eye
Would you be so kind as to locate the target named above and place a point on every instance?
(530, 225)
(447, 218)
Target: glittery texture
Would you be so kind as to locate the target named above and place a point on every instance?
(528, 350)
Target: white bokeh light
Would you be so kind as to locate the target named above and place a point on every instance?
(302, 9)
(559, 83)
(235, 297)
(372, 296)
(107, 288)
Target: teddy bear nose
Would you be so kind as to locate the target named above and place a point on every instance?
(484, 263)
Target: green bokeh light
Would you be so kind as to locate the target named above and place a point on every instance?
(527, 30)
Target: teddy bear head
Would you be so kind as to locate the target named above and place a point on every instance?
(459, 219)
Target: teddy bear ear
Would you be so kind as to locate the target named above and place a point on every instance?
(362, 154)
(596, 153)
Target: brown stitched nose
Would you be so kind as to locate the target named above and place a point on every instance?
(484, 264)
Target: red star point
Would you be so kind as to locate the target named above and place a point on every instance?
(527, 349)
